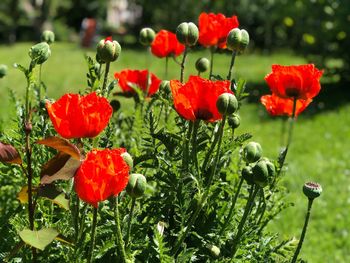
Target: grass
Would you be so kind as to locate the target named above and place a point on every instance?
(319, 150)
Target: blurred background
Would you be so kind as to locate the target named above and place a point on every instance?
(282, 31)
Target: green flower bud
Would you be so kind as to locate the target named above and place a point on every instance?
(187, 33)
(214, 250)
(164, 85)
(312, 190)
(39, 53)
(234, 121)
(108, 50)
(252, 152)
(48, 36)
(237, 40)
(202, 64)
(146, 36)
(247, 175)
(263, 171)
(227, 103)
(115, 105)
(3, 70)
(136, 186)
(128, 159)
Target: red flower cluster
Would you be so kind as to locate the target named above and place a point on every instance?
(196, 100)
(130, 79)
(288, 83)
(214, 28)
(103, 174)
(75, 116)
(165, 44)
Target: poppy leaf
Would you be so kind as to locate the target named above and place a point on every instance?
(61, 145)
(9, 154)
(59, 168)
(38, 239)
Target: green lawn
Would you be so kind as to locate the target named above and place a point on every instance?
(319, 152)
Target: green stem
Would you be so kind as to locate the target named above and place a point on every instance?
(212, 50)
(209, 153)
(119, 237)
(198, 73)
(231, 65)
(105, 79)
(205, 195)
(247, 209)
(194, 144)
(127, 238)
(232, 208)
(185, 153)
(297, 251)
(39, 91)
(93, 235)
(183, 65)
(166, 67)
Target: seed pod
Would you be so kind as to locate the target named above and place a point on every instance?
(263, 171)
(136, 186)
(48, 37)
(312, 190)
(147, 36)
(247, 175)
(40, 52)
(3, 70)
(128, 159)
(187, 33)
(202, 64)
(227, 103)
(234, 121)
(108, 50)
(252, 152)
(237, 40)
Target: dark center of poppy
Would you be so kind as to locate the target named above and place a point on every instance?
(203, 114)
(292, 91)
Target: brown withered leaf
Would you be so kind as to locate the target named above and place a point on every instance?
(54, 194)
(62, 145)
(9, 154)
(60, 167)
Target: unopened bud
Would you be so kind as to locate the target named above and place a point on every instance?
(28, 127)
(147, 36)
(108, 50)
(40, 52)
(128, 159)
(263, 171)
(3, 70)
(252, 152)
(187, 33)
(48, 37)
(136, 186)
(202, 64)
(227, 103)
(234, 121)
(237, 40)
(247, 175)
(312, 190)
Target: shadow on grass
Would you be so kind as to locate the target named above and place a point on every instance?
(331, 97)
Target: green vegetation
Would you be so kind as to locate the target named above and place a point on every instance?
(319, 150)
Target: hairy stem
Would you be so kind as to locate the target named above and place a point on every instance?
(182, 72)
(93, 235)
(119, 237)
(128, 231)
(105, 79)
(231, 65)
(212, 51)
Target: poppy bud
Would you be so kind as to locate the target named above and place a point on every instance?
(252, 152)
(28, 127)
(202, 64)
(136, 186)
(115, 105)
(214, 251)
(227, 103)
(146, 36)
(187, 33)
(3, 70)
(164, 85)
(128, 159)
(312, 190)
(247, 175)
(108, 50)
(39, 53)
(48, 36)
(237, 40)
(234, 121)
(97, 67)
(263, 171)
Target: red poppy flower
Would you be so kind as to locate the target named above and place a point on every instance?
(103, 174)
(301, 82)
(75, 116)
(196, 100)
(129, 79)
(165, 44)
(277, 106)
(214, 28)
